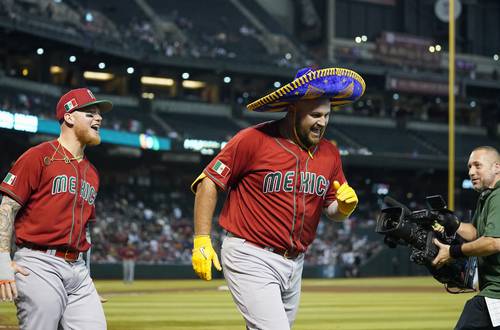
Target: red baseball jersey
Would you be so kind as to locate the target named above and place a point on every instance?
(276, 190)
(57, 197)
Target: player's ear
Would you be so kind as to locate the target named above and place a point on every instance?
(69, 119)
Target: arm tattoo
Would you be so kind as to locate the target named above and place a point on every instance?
(8, 211)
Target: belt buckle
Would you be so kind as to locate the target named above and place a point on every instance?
(66, 258)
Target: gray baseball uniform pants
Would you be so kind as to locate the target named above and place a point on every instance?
(265, 286)
(128, 270)
(56, 294)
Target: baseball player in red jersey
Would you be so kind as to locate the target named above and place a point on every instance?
(280, 176)
(48, 199)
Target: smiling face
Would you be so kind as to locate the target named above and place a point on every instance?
(86, 123)
(311, 119)
(484, 168)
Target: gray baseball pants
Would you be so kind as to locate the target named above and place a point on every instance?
(56, 294)
(265, 286)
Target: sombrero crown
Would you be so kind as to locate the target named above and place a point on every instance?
(342, 86)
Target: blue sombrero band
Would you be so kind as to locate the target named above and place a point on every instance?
(342, 86)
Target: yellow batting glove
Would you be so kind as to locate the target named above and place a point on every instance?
(203, 256)
(346, 198)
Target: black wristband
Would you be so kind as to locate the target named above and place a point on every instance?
(456, 251)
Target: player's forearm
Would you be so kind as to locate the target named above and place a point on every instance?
(204, 206)
(467, 231)
(8, 211)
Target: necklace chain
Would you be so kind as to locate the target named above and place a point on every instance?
(65, 158)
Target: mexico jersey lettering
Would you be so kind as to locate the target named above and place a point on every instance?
(276, 191)
(63, 184)
(310, 183)
(57, 197)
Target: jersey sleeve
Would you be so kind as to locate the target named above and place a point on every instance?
(337, 175)
(492, 227)
(232, 162)
(24, 176)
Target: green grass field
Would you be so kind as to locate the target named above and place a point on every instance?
(340, 304)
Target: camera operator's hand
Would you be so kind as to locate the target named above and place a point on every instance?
(443, 256)
(448, 220)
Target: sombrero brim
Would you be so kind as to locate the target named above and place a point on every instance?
(342, 86)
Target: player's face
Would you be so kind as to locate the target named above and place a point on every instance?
(484, 169)
(311, 120)
(87, 124)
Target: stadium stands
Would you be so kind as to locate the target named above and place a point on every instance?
(153, 210)
(202, 127)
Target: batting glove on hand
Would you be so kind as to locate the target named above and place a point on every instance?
(346, 198)
(8, 268)
(203, 256)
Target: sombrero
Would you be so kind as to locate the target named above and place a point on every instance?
(342, 86)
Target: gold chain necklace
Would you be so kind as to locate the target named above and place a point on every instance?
(65, 158)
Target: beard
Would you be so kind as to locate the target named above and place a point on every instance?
(305, 136)
(87, 136)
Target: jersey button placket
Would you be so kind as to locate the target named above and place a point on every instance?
(298, 202)
(79, 202)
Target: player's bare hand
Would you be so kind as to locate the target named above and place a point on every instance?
(203, 257)
(443, 256)
(8, 289)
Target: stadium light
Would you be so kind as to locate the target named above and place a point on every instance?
(495, 57)
(92, 75)
(185, 75)
(438, 48)
(395, 96)
(89, 17)
(364, 38)
(227, 79)
(432, 49)
(40, 51)
(288, 56)
(130, 70)
(157, 81)
(55, 69)
(25, 72)
(101, 65)
(277, 84)
(472, 104)
(72, 58)
(146, 95)
(193, 84)
(357, 39)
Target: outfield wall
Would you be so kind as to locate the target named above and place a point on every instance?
(389, 262)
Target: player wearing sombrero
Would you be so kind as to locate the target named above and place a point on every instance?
(279, 175)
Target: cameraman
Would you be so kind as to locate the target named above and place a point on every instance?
(482, 236)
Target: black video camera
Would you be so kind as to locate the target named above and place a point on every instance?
(417, 229)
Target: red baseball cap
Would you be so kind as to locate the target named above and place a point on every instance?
(77, 99)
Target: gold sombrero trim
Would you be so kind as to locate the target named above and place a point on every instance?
(296, 83)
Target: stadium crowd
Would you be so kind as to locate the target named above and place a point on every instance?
(172, 33)
(160, 227)
(155, 217)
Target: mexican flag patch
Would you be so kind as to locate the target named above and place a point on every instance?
(221, 168)
(10, 179)
(70, 105)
